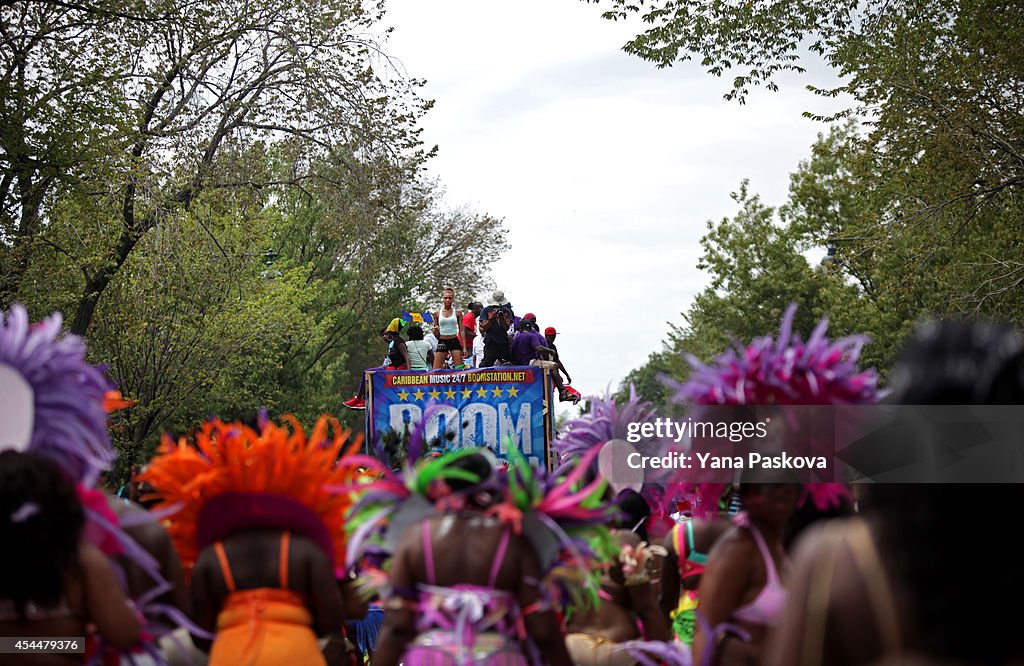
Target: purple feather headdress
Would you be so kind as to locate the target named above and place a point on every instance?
(66, 419)
(608, 420)
(70, 422)
(786, 371)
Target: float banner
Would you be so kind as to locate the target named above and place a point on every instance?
(803, 444)
(492, 407)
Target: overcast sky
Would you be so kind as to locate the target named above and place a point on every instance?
(604, 168)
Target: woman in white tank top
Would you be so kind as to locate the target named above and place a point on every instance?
(446, 329)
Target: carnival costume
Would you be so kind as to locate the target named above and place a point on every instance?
(602, 430)
(235, 479)
(56, 405)
(691, 563)
(476, 624)
(783, 372)
(787, 371)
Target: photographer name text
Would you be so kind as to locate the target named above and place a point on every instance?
(716, 461)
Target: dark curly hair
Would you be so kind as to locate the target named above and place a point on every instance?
(39, 512)
(930, 532)
(481, 492)
(635, 512)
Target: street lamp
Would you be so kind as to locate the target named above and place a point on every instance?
(831, 246)
(269, 256)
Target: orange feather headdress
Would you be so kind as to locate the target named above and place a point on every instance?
(233, 478)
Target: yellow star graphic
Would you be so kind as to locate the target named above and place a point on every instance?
(435, 394)
(482, 392)
(449, 394)
(403, 394)
(466, 393)
(513, 392)
(418, 394)
(497, 392)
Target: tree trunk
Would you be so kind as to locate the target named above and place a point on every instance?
(31, 195)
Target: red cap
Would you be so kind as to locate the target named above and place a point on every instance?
(530, 315)
(550, 330)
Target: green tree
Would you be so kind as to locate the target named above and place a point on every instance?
(752, 40)
(757, 265)
(151, 153)
(937, 85)
(173, 87)
(922, 206)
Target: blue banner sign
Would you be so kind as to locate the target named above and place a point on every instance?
(492, 407)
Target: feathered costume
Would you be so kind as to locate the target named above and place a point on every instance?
(560, 516)
(58, 409)
(785, 371)
(233, 479)
(67, 419)
(603, 430)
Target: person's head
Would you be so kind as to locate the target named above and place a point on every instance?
(950, 363)
(415, 333)
(808, 514)
(41, 513)
(393, 331)
(769, 496)
(525, 325)
(475, 307)
(448, 297)
(959, 363)
(550, 333)
(531, 317)
(635, 512)
(498, 298)
(476, 490)
(770, 503)
(478, 465)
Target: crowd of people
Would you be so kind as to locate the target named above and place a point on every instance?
(268, 544)
(480, 337)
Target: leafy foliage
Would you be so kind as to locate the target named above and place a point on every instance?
(919, 199)
(758, 38)
(152, 155)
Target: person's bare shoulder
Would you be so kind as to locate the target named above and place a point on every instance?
(735, 542)
(821, 538)
(411, 538)
(305, 549)
(89, 556)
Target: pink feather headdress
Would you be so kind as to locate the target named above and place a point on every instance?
(784, 371)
